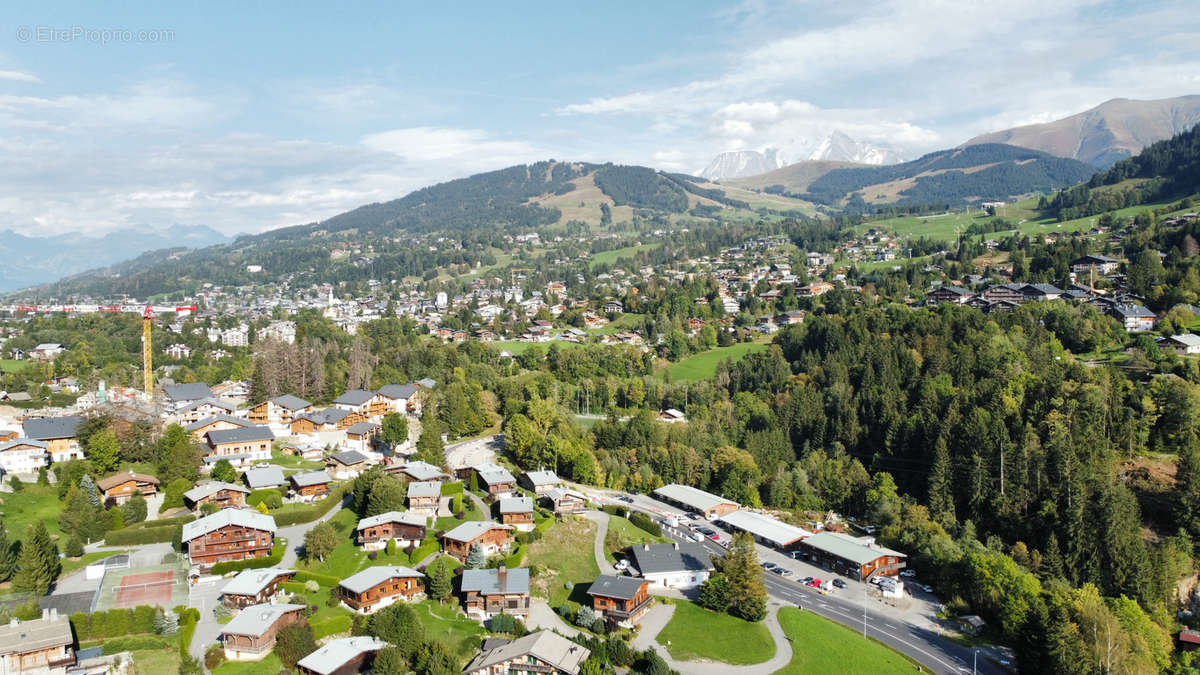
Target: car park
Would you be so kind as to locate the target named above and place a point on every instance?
(839, 583)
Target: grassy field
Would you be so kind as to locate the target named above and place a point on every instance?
(456, 631)
(610, 257)
(517, 347)
(566, 551)
(22, 509)
(622, 534)
(155, 661)
(853, 653)
(697, 633)
(271, 664)
(294, 462)
(11, 366)
(70, 565)
(702, 366)
(622, 323)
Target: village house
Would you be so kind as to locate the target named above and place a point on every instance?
(346, 465)
(416, 471)
(118, 488)
(365, 403)
(538, 482)
(279, 410)
(377, 587)
(326, 419)
(310, 485)
(424, 497)
(672, 416)
(676, 566)
(224, 495)
(492, 538)
(180, 395)
(1101, 263)
(58, 433)
(1134, 318)
(1186, 343)
(543, 652)
(198, 410)
(255, 587)
(494, 479)
(946, 293)
(361, 436)
(241, 446)
(621, 601)
(407, 528)
(43, 646)
(263, 478)
(23, 456)
(47, 351)
(250, 636)
(229, 534)
(401, 399)
(564, 501)
(342, 656)
(488, 592)
(199, 430)
(518, 512)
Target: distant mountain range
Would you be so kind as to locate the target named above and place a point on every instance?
(836, 147)
(34, 260)
(1109, 132)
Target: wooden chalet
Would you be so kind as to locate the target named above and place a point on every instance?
(242, 446)
(402, 399)
(44, 645)
(518, 512)
(407, 528)
(224, 495)
(495, 479)
(538, 482)
(229, 534)
(543, 652)
(622, 601)
(366, 403)
(58, 433)
(377, 587)
(254, 587)
(492, 538)
(120, 487)
(361, 436)
(424, 497)
(199, 430)
(488, 592)
(310, 485)
(346, 465)
(279, 410)
(250, 636)
(343, 656)
(563, 501)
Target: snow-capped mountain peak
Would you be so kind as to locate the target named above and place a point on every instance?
(836, 146)
(740, 163)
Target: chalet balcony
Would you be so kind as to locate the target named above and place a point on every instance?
(67, 659)
(622, 614)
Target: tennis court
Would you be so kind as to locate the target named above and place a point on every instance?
(163, 584)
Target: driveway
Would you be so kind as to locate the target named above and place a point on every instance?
(660, 615)
(541, 616)
(474, 451)
(600, 518)
(204, 596)
(295, 534)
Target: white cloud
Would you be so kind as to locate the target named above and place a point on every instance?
(18, 76)
(438, 143)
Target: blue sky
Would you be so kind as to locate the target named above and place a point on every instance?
(246, 119)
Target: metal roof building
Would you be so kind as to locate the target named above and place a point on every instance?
(766, 530)
(338, 653)
(695, 499)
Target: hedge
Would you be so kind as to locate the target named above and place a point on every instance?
(614, 510)
(165, 522)
(137, 536)
(188, 618)
(646, 523)
(113, 623)
(272, 560)
(314, 511)
(517, 557)
(427, 548)
(323, 579)
(451, 489)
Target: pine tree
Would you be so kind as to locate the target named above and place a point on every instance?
(104, 450)
(8, 555)
(747, 592)
(37, 565)
(89, 488)
(77, 511)
(476, 559)
(941, 497)
(440, 584)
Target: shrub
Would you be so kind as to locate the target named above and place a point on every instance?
(614, 510)
(129, 644)
(214, 656)
(74, 547)
(272, 497)
(646, 523)
(620, 653)
(333, 600)
(563, 610)
(585, 617)
(503, 623)
(311, 586)
(599, 627)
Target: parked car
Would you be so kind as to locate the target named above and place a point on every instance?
(715, 537)
(782, 571)
(707, 531)
(262, 465)
(767, 564)
(806, 580)
(797, 555)
(815, 583)
(877, 580)
(908, 573)
(625, 498)
(839, 583)
(697, 537)
(621, 565)
(926, 587)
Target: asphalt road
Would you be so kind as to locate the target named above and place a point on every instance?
(932, 650)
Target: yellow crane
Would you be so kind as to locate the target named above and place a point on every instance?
(147, 353)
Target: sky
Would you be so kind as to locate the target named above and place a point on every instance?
(247, 118)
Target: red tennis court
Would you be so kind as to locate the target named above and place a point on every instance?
(148, 588)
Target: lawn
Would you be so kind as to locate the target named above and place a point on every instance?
(697, 633)
(456, 631)
(703, 366)
(347, 558)
(271, 664)
(155, 661)
(294, 461)
(11, 365)
(853, 653)
(622, 534)
(621, 324)
(518, 347)
(70, 565)
(22, 509)
(610, 257)
(566, 553)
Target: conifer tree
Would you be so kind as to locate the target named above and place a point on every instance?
(8, 555)
(476, 559)
(37, 564)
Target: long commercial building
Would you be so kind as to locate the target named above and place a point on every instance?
(706, 503)
(855, 558)
(766, 530)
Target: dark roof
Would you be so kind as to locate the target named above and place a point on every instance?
(404, 391)
(361, 428)
(216, 403)
(45, 428)
(349, 457)
(612, 586)
(1041, 289)
(192, 391)
(953, 289)
(310, 478)
(218, 418)
(290, 402)
(661, 558)
(354, 397)
(487, 581)
(240, 435)
(117, 479)
(325, 416)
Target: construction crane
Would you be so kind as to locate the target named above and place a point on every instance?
(148, 352)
